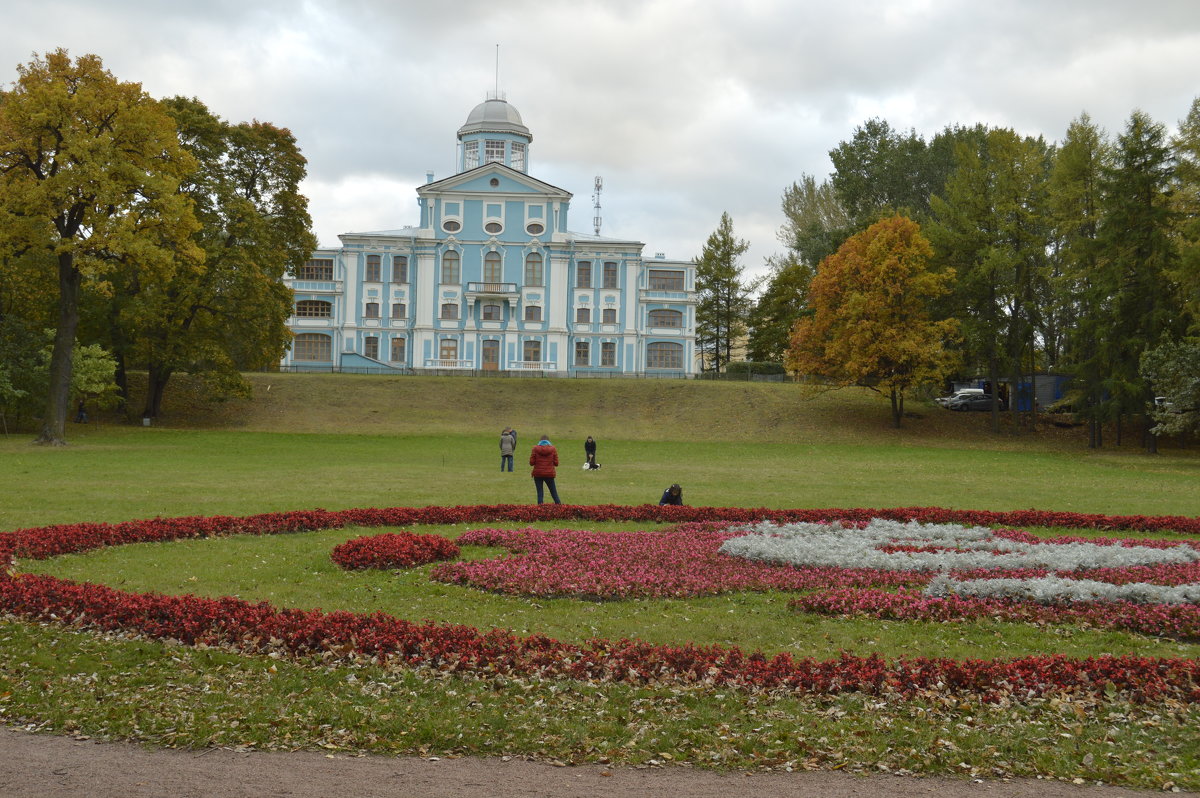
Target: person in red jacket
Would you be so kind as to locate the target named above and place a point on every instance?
(544, 459)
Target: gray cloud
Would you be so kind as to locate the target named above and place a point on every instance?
(687, 108)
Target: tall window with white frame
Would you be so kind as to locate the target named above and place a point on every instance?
(608, 354)
(490, 312)
(610, 274)
(449, 311)
(582, 352)
(399, 268)
(470, 154)
(493, 269)
(448, 349)
(399, 311)
(371, 311)
(533, 313)
(372, 272)
(399, 350)
(518, 156)
(608, 316)
(583, 274)
(371, 347)
(450, 267)
(583, 316)
(531, 351)
(493, 151)
(533, 269)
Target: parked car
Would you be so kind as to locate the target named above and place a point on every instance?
(945, 401)
(971, 401)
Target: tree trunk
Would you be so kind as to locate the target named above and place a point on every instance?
(54, 422)
(897, 409)
(156, 385)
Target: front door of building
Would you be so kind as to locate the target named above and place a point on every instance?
(491, 355)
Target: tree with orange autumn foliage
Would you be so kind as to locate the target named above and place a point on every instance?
(871, 323)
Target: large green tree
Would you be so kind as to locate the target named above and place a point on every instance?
(1075, 199)
(228, 313)
(1186, 197)
(89, 174)
(1138, 258)
(871, 323)
(723, 298)
(782, 303)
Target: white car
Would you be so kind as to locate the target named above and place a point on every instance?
(945, 401)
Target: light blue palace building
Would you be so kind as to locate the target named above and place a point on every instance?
(493, 279)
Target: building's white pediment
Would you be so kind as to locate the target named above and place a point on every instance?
(492, 178)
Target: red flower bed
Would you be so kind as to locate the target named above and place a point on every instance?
(1178, 621)
(392, 550)
(264, 628)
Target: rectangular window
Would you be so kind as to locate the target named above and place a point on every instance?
(448, 349)
(313, 309)
(610, 274)
(491, 313)
(531, 352)
(581, 353)
(609, 316)
(399, 310)
(372, 273)
(312, 346)
(662, 280)
(533, 269)
(449, 311)
(518, 156)
(470, 154)
(372, 311)
(608, 354)
(398, 350)
(533, 313)
(316, 269)
(583, 316)
(493, 151)
(371, 347)
(399, 268)
(583, 274)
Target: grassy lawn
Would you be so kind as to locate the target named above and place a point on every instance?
(345, 442)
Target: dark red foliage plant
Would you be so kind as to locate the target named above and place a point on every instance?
(392, 550)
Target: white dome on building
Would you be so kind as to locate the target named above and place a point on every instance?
(494, 116)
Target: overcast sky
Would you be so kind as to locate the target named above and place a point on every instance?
(686, 108)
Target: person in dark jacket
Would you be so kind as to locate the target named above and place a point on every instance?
(589, 448)
(672, 495)
(508, 443)
(544, 459)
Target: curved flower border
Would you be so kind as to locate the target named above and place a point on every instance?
(259, 628)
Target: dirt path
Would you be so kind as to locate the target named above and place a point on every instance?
(46, 766)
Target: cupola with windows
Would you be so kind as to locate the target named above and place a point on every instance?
(494, 132)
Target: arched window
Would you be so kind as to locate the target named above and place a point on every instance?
(399, 268)
(313, 309)
(312, 347)
(583, 274)
(609, 316)
(533, 269)
(664, 355)
(492, 268)
(533, 313)
(449, 311)
(450, 266)
(583, 315)
(398, 310)
(372, 273)
(372, 311)
(491, 313)
(666, 318)
(610, 274)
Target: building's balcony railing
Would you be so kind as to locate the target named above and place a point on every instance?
(447, 363)
(500, 289)
(532, 365)
(658, 295)
(317, 286)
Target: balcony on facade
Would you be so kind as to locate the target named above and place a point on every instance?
(504, 290)
(317, 286)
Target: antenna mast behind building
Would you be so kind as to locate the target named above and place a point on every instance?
(596, 203)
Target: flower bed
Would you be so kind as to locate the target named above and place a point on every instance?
(392, 550)
(263, 628)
